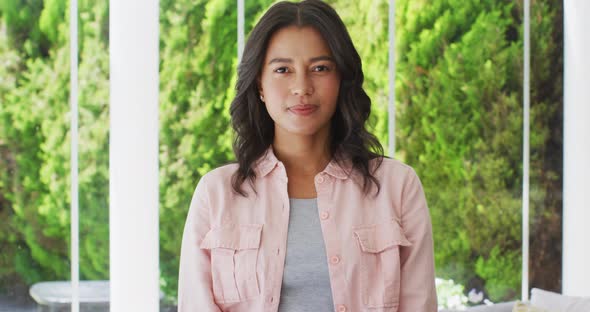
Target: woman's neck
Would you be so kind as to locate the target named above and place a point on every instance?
(302, 155)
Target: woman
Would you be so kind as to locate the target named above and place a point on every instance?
(312, 217)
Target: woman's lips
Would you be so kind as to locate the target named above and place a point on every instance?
(303, 110)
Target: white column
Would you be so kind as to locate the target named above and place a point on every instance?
(133, 167)
(391, 66)
(240, 29)
(74, 212)
(526, 99)
(576, 149)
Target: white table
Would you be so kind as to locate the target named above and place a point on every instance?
(56, 296)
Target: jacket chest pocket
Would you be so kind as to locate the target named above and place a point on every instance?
(234, 255)
(380, 263)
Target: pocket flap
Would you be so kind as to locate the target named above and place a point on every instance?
(243, 236)
(378, 237)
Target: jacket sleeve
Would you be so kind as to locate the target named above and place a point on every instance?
(418, 291)
(195, 289)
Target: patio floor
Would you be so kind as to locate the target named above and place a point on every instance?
(17, 301)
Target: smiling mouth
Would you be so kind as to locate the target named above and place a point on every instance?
(303, 110)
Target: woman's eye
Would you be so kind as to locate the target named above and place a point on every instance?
(281, 70)
(321, 68)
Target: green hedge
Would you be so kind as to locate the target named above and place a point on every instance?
(459, 119)
(459, 98)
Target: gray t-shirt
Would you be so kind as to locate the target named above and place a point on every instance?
(306, 280)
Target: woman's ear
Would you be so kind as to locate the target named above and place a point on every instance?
(260, 92)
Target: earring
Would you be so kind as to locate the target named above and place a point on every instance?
(262, 98)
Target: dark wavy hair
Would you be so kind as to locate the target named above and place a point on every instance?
(254, 127)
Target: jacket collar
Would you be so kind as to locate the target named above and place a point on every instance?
(338, 167)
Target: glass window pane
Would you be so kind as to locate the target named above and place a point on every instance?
(35, 146)
(546, 145)
(459, 124)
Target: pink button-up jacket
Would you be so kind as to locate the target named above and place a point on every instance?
(379, 248)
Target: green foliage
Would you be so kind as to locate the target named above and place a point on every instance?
(51, 18)
(498, 270)
(367, 23)
(459, 117)
(22, 23)
(459, 101)
(35, 172)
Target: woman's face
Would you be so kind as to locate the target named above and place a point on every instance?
(299, 81)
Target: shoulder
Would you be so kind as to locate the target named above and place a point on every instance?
(221, 173)
(394, 174)
(218, 178)
(388, 168)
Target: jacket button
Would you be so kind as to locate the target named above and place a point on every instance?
(335, 260)
(324, 215)
(341, 308)
(320, 179)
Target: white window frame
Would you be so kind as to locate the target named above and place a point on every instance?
(133, 149)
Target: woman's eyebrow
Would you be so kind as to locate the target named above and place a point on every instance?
(311, 60)
(321, 58)
(280, 60)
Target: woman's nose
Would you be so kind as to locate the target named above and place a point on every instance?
(302, 85)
